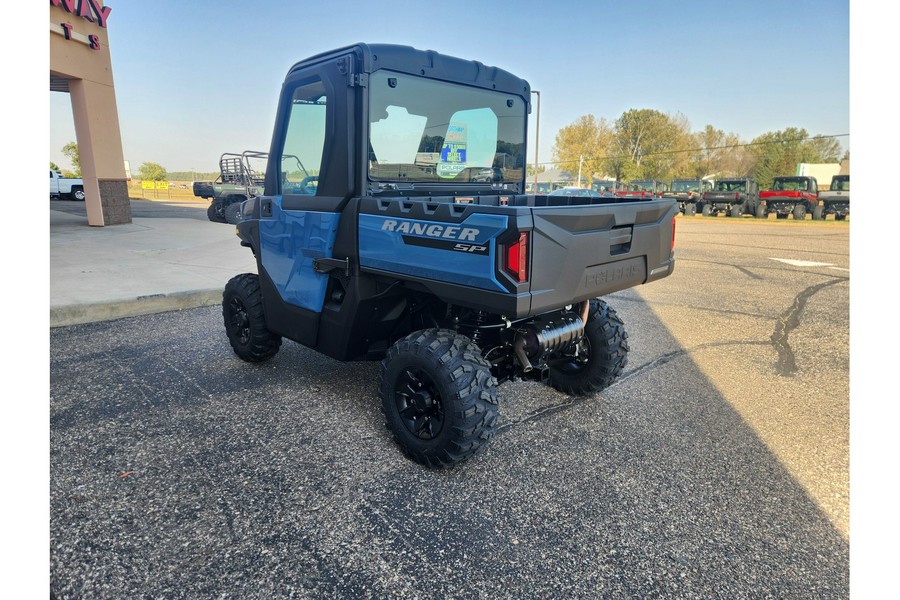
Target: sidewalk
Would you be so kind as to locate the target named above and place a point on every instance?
(150, 265)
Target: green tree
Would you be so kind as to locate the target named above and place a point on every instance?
(825, 148)
(152, 172)
(719, 154)
(70, 150)
(53, 166)
(583, 143)
(777, 153)
(649, 144)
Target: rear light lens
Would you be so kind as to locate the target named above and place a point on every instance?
(704, 195)
(737, 195)
(517, 258)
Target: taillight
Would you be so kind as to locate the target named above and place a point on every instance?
(704, 195)
(517, 258)
(737, 195)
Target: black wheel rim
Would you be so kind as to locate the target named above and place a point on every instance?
(419, 404)
(240, 320)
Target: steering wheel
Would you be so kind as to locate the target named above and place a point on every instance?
(306, 181)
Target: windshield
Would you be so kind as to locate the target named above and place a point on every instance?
(790, 184)
(641, 185)
(423, 130)
(841, 185)
(731, 186)
(685, 186)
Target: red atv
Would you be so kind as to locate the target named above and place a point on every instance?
(644, 188)
(790, 195)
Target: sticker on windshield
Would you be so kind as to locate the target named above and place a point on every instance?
(453, 153)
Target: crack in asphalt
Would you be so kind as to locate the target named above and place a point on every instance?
(786, 366)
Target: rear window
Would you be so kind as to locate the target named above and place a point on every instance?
(790, 185)
(432, 131)
(731, 186)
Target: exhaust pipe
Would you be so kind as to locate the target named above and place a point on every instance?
(542, 337)
(519, 349)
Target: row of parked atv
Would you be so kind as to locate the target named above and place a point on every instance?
(734, 197)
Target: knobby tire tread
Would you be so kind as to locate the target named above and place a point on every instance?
(472, 410)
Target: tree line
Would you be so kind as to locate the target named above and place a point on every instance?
(149, 171)
(649, 144)
(640, 144)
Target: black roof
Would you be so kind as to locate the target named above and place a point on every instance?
(406, 59)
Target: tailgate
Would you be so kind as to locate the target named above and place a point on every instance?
(581, 252)
(720, 196)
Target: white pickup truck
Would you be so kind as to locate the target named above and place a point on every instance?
(66, 187)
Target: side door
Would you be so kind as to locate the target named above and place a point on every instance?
(307, 187)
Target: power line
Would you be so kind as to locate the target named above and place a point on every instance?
(728, 147)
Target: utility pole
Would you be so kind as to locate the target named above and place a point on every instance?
(537, 137)
(580, 161)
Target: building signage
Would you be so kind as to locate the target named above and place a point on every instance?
(89, 10)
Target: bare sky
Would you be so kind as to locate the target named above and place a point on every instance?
(196, 79)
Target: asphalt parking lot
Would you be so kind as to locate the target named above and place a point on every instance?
(717, 467)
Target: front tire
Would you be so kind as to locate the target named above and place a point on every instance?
(439, 397)
(601, 357)
(245, 321)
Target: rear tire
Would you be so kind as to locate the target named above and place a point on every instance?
(215, 212)
(707, 210)
(602, 355)
(736, 212)
(78, 194)
(818, 214)
(761, 212)
(233, 213)
(800, 212)
(245, 321)
(439, 397)
(690, 210)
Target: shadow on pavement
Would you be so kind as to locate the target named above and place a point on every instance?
(178, 470)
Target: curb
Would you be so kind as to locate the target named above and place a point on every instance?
(79, 314)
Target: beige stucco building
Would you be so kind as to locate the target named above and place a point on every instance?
(80, 65)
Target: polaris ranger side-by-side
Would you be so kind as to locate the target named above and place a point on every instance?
(404, 252)
(835, 201)
(791, 196)
(687, 192)
(733, 196)
(644, 188)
